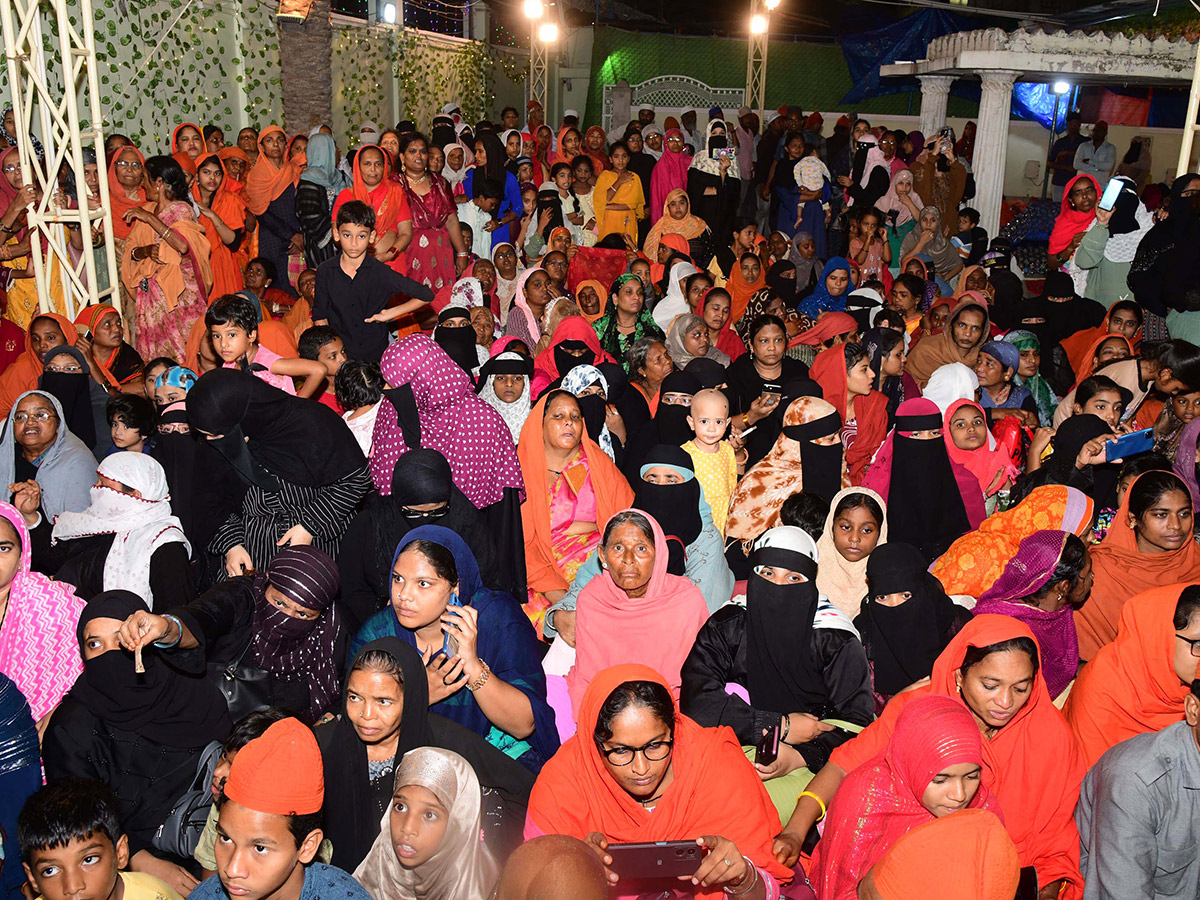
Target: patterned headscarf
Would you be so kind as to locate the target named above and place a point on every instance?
(439, 409)
(579, 379)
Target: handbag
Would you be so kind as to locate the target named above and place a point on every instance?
(246, 688)
(180, 831)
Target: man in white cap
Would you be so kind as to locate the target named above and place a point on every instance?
(645, 114)
(652, 135)
(570, 118)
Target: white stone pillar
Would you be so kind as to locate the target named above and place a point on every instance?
(935, 91)
(991, 146)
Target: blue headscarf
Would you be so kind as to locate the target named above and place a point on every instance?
(20, 776)
(506, 642)
(177, 376)
(820, 300)
(322, 167)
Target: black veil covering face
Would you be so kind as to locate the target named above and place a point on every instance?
(675, 506)
(457, 340)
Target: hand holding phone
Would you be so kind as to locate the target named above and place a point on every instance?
(1111, 192)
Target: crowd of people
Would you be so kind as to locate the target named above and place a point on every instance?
(434, 517)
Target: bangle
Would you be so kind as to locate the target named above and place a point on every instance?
(482, 679)
(748, 888)
(745, 420)
(167, 645)
(820, 802)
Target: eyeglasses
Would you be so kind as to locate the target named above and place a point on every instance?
(410, 513)
(41, 415)
(11, 169)
(654, 751)
(123, 164)
(1194, 644)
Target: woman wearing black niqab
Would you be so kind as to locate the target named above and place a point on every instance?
(304, 471)
(423, 493)
(142, 734)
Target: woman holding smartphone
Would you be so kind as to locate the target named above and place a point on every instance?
(479, 650)
(756, 384)
(1106, 250)
(633, 773)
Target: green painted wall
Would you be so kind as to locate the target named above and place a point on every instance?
(812, 76)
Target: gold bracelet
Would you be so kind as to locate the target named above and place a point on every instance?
(482, 679)
(820, 802)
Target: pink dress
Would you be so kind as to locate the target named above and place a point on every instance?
(431, 255)
(266, 358)
(162, 331)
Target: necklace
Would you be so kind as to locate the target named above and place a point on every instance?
(424, 177)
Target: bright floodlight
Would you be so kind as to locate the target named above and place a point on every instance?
(1061, 87)
(772, 4)
(533, 9)
(548, 33)
(758, 24)
(389, 13)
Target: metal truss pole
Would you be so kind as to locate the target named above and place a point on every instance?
(61, 112)
(538, 64)
(756, 64)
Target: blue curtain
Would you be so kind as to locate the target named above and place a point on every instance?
(907, 39)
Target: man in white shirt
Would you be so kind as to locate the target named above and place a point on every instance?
(1097, 157)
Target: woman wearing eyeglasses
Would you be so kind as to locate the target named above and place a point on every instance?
(638, 770)
(49, 469)
(1138, 683)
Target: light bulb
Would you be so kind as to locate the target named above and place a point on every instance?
(548, 33)
(533, 9)
(758, 24)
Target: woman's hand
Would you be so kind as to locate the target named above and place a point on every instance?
(844, 180)
(238, 562)
(462, 624)
(156, 253)
(1103, 215)
(803, 728)
(1041, 440)
(27, 498)
(787, 848)
(762, 407)
(1093, 452)
(564, 624)
(789, 760)
(1028, 419)
(296, 536)
(141, 629)
(724, 864)
(614, 422)
(176, 877)
(599, 845)
(445, 674)
(296, 245)
(136, 214)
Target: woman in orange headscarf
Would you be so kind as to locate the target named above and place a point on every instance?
(742, 287)
(237, 163)
(677, 218)
(585, 303)
(561, 517)
(1149, 544)
(977, 559)
(1137, 683)
(23, 374)
(187, 139)
(1100, 352)
(862, 408)
(223, 215)
(374, 186)
(706, 788)
(1080, 346)
(271, 195)
(1031, 760)
(126, 191)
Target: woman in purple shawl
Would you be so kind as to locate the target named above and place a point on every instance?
(1050, 573)
(917, 140)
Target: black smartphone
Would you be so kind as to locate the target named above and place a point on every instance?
(656, 859)
(767, 749)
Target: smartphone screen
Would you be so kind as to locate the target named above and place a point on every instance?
(1111, 193)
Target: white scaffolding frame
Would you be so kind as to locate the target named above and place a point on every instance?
(756, 62)
(59, 115)
(1189, 124)
(539, 64)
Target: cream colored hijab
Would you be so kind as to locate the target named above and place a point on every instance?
(463, 868)
(842, 581)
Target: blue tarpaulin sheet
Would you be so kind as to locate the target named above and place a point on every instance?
(904, 40)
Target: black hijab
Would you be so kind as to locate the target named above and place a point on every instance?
(298, 441)
(821, 465)
(891, 386)
(782, 674)
(674, 506)
(904, 640)
(74, 392)
(496, 158)
(669, 425)
(708, 372)
(459, 340)
(161, 704)
(1097, 481)
(352, 810)
(925, 507)
(781, 284)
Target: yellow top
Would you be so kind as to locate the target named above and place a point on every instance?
(717, 474)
